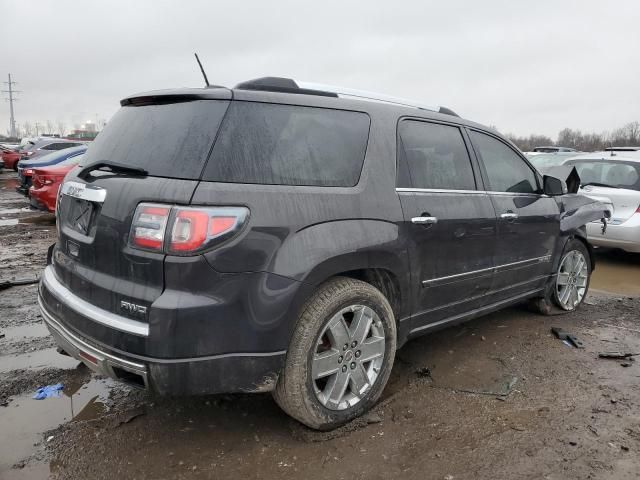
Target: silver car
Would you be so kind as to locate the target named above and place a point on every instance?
(612, 177)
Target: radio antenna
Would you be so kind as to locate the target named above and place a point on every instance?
(206, 80)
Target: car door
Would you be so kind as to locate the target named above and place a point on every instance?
(449, 221)
(528, 220)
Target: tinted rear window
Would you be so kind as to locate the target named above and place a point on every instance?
(169, 140)
(289, 145)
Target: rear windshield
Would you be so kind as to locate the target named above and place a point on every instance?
(289, 145)
(168, 140)
(60, 146)
(612, 174)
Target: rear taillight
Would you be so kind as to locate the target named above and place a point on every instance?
(187, 230)
(149, 225)
(638, 210)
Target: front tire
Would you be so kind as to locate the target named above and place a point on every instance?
(568, 288)
(340, 355)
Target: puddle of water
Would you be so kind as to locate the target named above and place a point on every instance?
(39, 359)
(23, 331)
(38, 471)
(9, 183)
(44, 219)
(617, 272)
(25, 419)
(13, 211)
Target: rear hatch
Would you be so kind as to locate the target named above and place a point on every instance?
(167, 135)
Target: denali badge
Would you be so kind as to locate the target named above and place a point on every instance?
(132, 308)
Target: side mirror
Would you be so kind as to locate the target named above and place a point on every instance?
(553, 186)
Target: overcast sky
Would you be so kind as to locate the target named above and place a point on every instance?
(525, 67)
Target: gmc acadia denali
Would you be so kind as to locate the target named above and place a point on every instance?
(290, 238)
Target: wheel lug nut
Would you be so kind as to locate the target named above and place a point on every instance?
(353, 344)
(358, 353)
(340, 359)
(344, 368)
(346, 345)
(353, 365)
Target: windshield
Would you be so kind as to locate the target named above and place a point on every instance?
(607, 173)
(547, 160)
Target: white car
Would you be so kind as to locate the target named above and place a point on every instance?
(612, 177)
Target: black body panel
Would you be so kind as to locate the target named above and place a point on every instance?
(222, 320)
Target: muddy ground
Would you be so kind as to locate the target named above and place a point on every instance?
(496, 398)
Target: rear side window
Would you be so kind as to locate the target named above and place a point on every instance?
(289, 145)
(434, 157)
(168, 140)
(506, 171)
(58, 146)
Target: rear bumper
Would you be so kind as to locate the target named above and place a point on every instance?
(42, 199)
(223, 373)
(625, 236)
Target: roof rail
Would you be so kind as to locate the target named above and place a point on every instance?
(288, 85)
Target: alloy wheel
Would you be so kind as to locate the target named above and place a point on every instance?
(348, 357)
(571, 281)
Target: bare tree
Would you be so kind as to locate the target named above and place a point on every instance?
(49, 127)
(28, 129)
(62, 128)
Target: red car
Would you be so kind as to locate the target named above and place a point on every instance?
(45, 184)
(10, 158)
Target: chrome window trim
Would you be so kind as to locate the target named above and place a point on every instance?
(515, 194)
(89, 193)
(495, 269)
(439, 190)
(466, 192)
(91, 312)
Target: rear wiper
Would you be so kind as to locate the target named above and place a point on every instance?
(114, 167)
(597, 184)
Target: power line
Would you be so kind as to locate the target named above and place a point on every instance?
(11, 99)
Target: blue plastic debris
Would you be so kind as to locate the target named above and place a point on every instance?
(48, 391)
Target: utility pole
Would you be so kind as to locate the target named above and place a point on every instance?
(11, 92)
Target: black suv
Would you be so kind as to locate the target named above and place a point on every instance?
(278, 238)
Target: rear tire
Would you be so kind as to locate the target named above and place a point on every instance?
(568, 288)
(340, 355)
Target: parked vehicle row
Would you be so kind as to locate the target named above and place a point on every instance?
(33, 148)
(290, 238)
(46, 183)
(26, 167)
(612, 176)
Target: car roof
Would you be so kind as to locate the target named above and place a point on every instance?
(628, 156)
(43, 142)
(288, 91)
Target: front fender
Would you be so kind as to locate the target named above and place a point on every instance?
(575, 212)
(578, 210)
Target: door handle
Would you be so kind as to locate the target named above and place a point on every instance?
(424, 220)
(509, 216)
